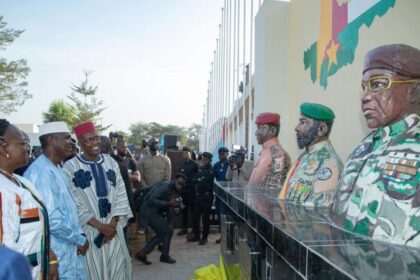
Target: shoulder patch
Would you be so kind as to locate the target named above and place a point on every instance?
(277, 165)
(324, 174)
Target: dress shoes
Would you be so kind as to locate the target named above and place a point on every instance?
(143, 259)
(167, 259)
(192, 238)
(202, 241)
(182, 232)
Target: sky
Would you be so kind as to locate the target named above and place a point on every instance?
(149, 58)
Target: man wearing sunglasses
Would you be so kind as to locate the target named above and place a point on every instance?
(378, 194)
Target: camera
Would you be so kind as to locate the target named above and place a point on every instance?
(235, 159)
(181, 203)
(113, 135)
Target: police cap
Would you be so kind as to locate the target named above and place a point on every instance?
(207, 155)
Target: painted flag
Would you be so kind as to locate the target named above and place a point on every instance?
(339, 34)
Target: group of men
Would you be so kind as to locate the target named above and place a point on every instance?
(376, 193)
(88, 196)
(87, 203)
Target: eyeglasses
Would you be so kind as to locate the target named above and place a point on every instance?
(91, 139)
(381, 83)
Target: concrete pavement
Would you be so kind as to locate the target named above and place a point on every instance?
(188, 256)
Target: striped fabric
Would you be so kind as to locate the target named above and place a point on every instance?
(25, 223)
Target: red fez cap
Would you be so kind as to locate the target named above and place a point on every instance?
(265, 118)
(83, 128)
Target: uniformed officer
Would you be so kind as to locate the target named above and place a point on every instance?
(378, 193)
(313, 178)
(220, 168)
(189, 168)
(273, 162)
(204, 199)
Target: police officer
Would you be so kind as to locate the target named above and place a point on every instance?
(204, 182)
(189, 168)
(313, 178)
(220, 168)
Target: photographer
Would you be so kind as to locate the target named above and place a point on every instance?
(240, 169)
(161, 196)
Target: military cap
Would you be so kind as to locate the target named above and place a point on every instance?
(267, 117)
(223, 150)
(401, 59)
(317, 111)
(207, 155)
(186, 149)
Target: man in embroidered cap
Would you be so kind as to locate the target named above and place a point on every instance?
(273, 162)
(67, 238)
(102, 206)
(378, 193)
(313, 178)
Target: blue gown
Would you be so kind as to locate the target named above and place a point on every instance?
(66, 232)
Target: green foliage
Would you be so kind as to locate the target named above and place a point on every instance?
(90, 108)
(13, 74)
(138, 132)
(194, 132)
(60, 111)
(186, 136)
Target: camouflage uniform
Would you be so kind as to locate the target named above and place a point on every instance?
(312, 181)
(378, 194)
(272, 166)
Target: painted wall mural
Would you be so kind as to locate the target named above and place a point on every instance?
(339, 34)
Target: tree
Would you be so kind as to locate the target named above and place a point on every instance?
(90, 108)
(13, 74)
(138, 132)
(141, 130)
(60, 111)
(194, 132)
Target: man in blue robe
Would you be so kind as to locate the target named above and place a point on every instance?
(67, 238)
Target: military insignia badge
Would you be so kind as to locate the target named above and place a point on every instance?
(324, 174)
(311, 167)
(277, 165)
(400, 170)
(362, 150)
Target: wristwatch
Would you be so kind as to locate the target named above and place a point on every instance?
(116, 218)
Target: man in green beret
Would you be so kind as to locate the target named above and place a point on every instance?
(313, 178)
(379, 195)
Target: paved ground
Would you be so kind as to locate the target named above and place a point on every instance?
(188, 256)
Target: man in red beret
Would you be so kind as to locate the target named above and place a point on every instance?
(273, 162)
(102, 206)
